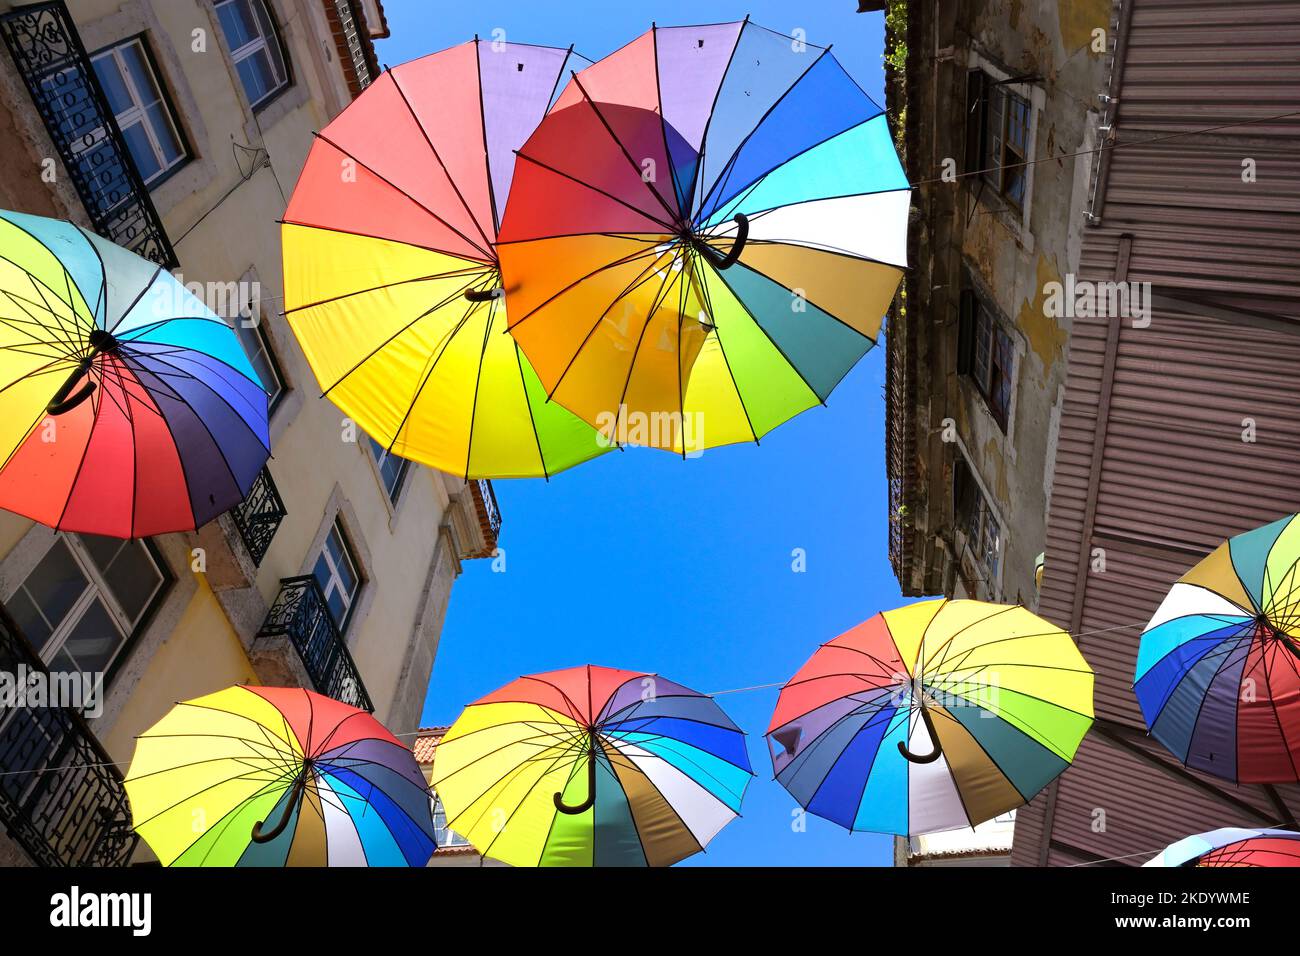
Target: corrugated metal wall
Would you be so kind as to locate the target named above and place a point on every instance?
(1152, 464)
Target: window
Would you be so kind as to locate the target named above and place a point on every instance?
(336, 573)
(997, 135)
(986, 354)
(258, 349)
(444, 836)
(974, 518)
(255, 48)
(85, 599)
(392, 468)
(130, 83)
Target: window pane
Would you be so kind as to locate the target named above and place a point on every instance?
(133, 580)
(93, 640)
(267, 29)
(56, 583)
(161, 125)
(258, 351)
(142, 154)
(110, 78)
(236, 23)
(29, 619)
(137, 67)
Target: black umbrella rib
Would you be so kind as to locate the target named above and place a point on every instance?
(487, 255)
(433, 149)
(673, 214)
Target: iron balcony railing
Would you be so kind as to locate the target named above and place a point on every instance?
(352, 23)
(43, 41)
(259, 515)
(490, 510)
(301, 615)
(61, 797)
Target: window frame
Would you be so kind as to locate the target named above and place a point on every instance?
(380, 456)
(985, 536)
(988, 151)
(981, 332)
(98, 589)
(252, 47)
(267, 348)
(453, 840)
(165, 101)
(350, 553)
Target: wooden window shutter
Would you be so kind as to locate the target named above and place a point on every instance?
(965, 332)
(977, 88)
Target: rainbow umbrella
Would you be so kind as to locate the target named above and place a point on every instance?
(390, 264)
(127, 407)
(1217, 673)
(1232, 846)
(703, 236)
(938, 715)
(591, 766)
(271, 776)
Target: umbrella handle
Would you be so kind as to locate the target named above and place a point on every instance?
(730, 259)
(61, 403)
(937, 750)
(591, 785)
(485, 295)
(100, 341)
(295, 797)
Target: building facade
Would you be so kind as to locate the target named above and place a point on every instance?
(1165, 210)
(975, 356)
(177, 128)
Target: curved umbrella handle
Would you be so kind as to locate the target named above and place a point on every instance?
(591, 785)
(486, 295)
(937, 750)
(100, 341)
(61, 404)
(720, 262)
(295, 797)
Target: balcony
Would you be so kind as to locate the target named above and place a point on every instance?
(43, 41)
(61, 797)
(489, 518)
(900, 442)
(300, 616)
(259, 515)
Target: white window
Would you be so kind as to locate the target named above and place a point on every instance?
(392, 469)
(85, 598)
(131, 87)
(1006, 143)
(258, 349)
(336, 573)
(254, 47)
(978, 522)
(443, 835)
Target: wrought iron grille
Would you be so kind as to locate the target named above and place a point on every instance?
(900, 439)
(362, 62)
(490, 510)
(61, 797)
(259, 515)
(57, 71)
(301, 614)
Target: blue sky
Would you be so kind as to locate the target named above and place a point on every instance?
(644, 561)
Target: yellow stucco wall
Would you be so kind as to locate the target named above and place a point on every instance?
(201, 655)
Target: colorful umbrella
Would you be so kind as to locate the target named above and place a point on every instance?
(127, 407)
(591, 766)
(1217, 674)
(1233, 847)
(390, 268)
(703, 236)
(270, 776)
(938, 715)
